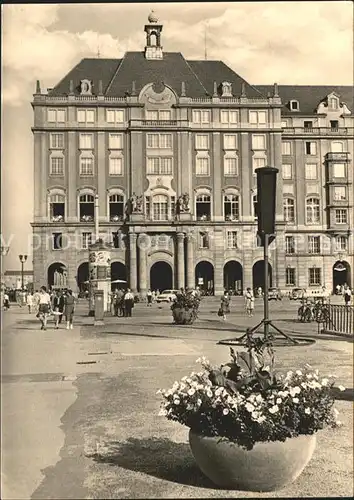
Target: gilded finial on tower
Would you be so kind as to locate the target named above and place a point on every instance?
(153, 17)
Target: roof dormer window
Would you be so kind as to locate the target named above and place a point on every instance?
(86, 87)
(333, 102)
(294, 105)
(226, 89)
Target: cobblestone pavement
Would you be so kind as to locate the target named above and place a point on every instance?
(67, 394)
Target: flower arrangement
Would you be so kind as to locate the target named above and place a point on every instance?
(246, 401)
(185, 308)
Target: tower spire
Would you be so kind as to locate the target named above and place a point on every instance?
(153, 47)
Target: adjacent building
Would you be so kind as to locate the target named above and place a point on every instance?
(168, 148)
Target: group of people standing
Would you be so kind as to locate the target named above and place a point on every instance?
(122, 303)
(225, 303)
(58, 303)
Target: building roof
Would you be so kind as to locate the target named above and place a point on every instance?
(309, 96)
(117, 75)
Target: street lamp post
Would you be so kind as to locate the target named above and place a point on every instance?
(23, 259)
(4, 252)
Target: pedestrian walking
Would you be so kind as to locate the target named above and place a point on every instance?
(224, 305)
(128, 303)
(44, 307)
(58, 303)
(347, 295)
(29, 301)
(69, 309)
(149, 298)
(6, 302)
(249, 302)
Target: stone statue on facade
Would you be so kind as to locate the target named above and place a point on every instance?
(139, 204)
(183, 203)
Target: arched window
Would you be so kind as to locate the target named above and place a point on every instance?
(116, 207)
(87, 207)
(231, 207)
(57, 207)
(160, 207)
(203, 207)
(312, 211)
(289, 210)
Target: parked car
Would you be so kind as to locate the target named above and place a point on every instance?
(167, 296)
(274, 294)
(296, 294)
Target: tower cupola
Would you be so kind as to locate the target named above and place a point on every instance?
(153, 48)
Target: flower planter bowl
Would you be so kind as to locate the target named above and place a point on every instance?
(183, 315)
(268, 466)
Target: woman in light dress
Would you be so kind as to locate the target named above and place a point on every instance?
(249, 302)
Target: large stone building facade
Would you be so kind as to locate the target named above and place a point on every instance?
(168, 149)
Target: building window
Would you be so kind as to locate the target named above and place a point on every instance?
(86, 141)
(57, 207)
(202, 165)
(202, 141)
(163, 141)
(57, 165)
(258, 142)
(203, 207)
(57, 241)
(159, 165)
(294, 105)
(312, 211)
(258, 117)
(314, 244)
(56, 115)
(339, 170)
(334, 125)
(341, 243)
(333, 102)
(232, 239)
(158, 115)
(228, 116)
(337, 147)
(308, 126)
(86, 165)
(310, 148)
(87, 207)
(286, 148)
(86, 116)
(311, 171)
(341, 215)
(116, 207)
(340, 193)
(56, 141)
(289, 210)
(116, 239)
(230, 166)
(201, 116)
(160, 207)
(255, 206)
(231, 207)
(258, 163)
(115, 141)
(86, 241)
(230, 141)
(289, 244)
(287, 171)
(290, 276)
(314, 276)
(115, 115)
(116, 165)
(203, 240)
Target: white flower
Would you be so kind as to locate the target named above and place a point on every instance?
(162, 412)
(169, 392)
(274, 409)
(209, 393)
(307, 411)
(261, 419)
(199, 401)
(341, 388)
(189, 406)
(184, 379)
(225, 411)
(176, 401)
(249, 407)
(309, 376)
(298, 372)
(295, 400)
(182, 386)
(278, 401)
(294, 390)
(324, 381)
(255, 415)
(191, 391)
(218, 391)
(304, 385)
(259, 398)
(339, 423)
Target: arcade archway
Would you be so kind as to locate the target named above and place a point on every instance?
(258, 275)
(233, 276)
(83, 276)
(204, 276)
(341, 274)
(118, 272)
(57, 275)
(161, 276)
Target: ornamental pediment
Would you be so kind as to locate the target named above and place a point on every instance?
(157, 93)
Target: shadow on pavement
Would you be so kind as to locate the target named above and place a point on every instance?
(157, 457)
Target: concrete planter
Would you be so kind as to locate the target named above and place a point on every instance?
(268, 466)
(183, 316)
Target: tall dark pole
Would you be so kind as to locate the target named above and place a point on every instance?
(23, 259)
(266, 286)
(22, 283)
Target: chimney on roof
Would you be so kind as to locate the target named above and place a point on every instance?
(243, 89)
(215, 93)
(100, 87)
(276, 93)
(71, 87)
(183, 89)
(133, 89)
(38, 87)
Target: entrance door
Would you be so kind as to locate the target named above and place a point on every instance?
(258, 274)
(204, 277)
(161, 276)
(233, 276)
(341, 274)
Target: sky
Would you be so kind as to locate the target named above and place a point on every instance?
(305, 43)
